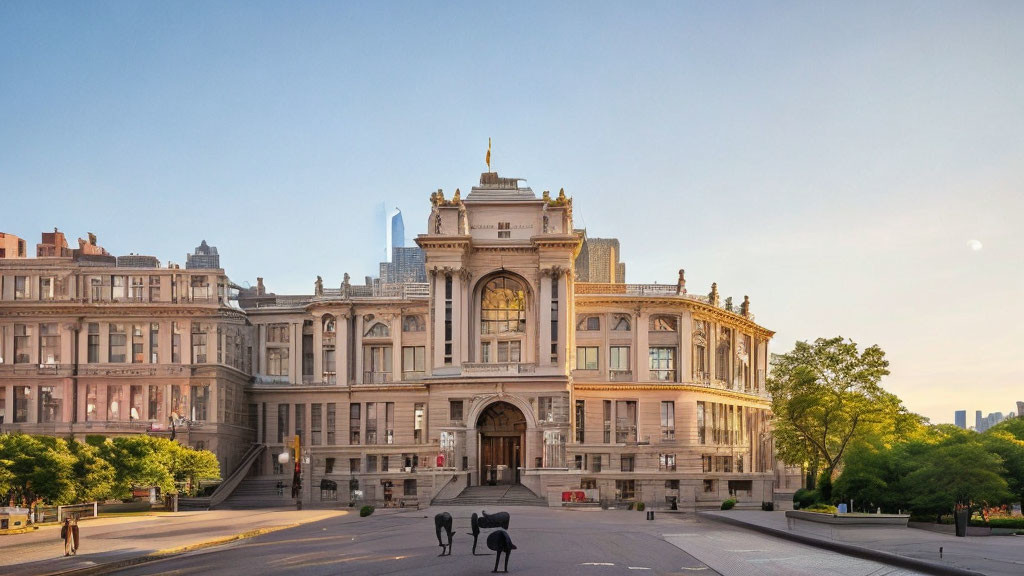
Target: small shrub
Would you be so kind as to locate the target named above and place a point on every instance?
(1015, 522)
(728, 504)
(803, 498)
(365, 511)
(767, 506)
(640, 506)
(823, 508)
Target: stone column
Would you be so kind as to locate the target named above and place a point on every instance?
(186, 342)
(643, 363)
(457, 318)
(544, 303)
(464, 332)
(564, 318)
(295, 353)
(104, 342)
(438, 319)
(341, 346)
(261, 349)
(357, 340)
(318, 347)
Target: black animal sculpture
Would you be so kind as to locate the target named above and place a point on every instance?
(444, 520)
(500, 542)
(499, 520)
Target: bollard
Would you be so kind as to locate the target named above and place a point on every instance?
(940, 551)
(650, 514)
(298, 504)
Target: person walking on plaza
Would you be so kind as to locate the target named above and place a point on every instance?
(69, 533)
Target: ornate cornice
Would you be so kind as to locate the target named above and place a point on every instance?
(625, 387)
(700, 310)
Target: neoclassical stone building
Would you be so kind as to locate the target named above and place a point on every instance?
(501, 369)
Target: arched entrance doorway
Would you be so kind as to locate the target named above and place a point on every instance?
(502, 431)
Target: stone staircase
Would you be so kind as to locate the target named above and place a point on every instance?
(259, 492)
(515, 495)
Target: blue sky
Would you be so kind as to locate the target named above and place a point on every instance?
(832, 161)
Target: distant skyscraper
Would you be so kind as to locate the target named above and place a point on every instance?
(205, 256)
(598, 261)
(960, 419)
(397, 229)
(1020, 409)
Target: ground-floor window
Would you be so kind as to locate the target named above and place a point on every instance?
(625, 489)
(409, 487)
(554, 449)
(741, 487)
(709, 486)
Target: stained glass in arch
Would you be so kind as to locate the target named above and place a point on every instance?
(503, 306)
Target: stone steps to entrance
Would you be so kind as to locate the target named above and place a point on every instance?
(514, 495)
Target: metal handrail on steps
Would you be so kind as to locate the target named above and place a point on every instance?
(229, 484)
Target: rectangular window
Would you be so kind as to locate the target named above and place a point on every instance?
(3, 404)
(156, 400)
(316, 418)
(300, 423)
(200, 402)
(627, 462)
(175, 343)
(3, 334)
(154, 343)
(198, 344)
(667, 462)
(377, 364)
(21, 396)
(354, 422)
(330, 366)
(51, 404)
(413, 360)
(91, 403)
(545, 411)
(329, 466)
(723, 353)
(509, 351)
(93, 343)
(581, 415)
(21, 287)
(49, 344)
(586, 358)
(607, 421)
(118, 349)
(136, 401)
(595, 463)
(389, 422)
(668, 420)
(277, 361)
(154, 288)
(625, 421)
(138, 352)
(332, 424)
(371, 422)
(625, 489)
(384, 464)
(282, 423)
(46, 288)
(409, 487)
(554, 449)
(96, 289)
(114, 402)
(455, 410)
(709, 486)
(504, 230)
(485, 353)
(137, 290)
(618, 359)
(22, 344)
(663, 364)
(118, 290)
(179, 401)
(278, 334)
(419, 418)
(307, 354)
(701, 439)
(353, 465)
(371, 463)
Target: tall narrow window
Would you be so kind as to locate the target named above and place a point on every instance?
(607, 421)
(200, 402)
(21, 396)
(455, 410)
(389, 422)
(581, 415)
(93, 343)
(117, 288)
(49, 344)
(137, 292)
(419, 416)
(700, 423)
(663, 364)
(722, 354)
(625, 421)
(51, 404)
(154, 288)
(156, 400)
(413, 361)
(91, 403)
(332, 423)
(21, 287)
(154, 343)
(46, 288)
(96, 289)
(668, 420)
(371, 422)
(118, 343)
(22, 344)
(198, 344)
(3, 338)
(618, 361)
(138, 353)
(282, 423)
(354, 422)
(175, 343)
(447, 320)
(300, 423)
(554, 449)
(315, 424)
(114, 402)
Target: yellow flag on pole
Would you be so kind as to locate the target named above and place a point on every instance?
(488, 154)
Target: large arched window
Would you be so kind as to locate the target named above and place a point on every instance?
(503, 306)
(502, 320)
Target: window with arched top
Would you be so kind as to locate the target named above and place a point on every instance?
(378, 330)
(502, 320)
(330, 324)
(503, 306)
(413, 324)
(662, 324)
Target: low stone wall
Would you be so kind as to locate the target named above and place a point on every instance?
(849, 519)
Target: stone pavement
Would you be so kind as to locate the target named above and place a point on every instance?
(107, 540)
(907, 547)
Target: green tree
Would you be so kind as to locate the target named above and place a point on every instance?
(826, 396)
(192, 466)
(137, 461)
(958, 471)
(1005, 441)
(39, 469)
(92, 475)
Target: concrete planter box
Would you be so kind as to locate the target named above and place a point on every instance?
(849, 519)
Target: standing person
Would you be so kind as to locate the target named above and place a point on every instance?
(74, 534)
(66, 534)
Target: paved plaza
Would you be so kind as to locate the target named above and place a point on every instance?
(550, 541)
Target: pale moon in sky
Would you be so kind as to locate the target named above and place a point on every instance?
(974, 245)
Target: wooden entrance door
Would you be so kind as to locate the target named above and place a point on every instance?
(502, 428)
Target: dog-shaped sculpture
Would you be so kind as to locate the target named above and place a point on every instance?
(499, 520)
(499, 541)
(444, 520)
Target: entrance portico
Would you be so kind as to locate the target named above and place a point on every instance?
(502, 442)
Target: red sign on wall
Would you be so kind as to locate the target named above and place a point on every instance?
(440, 460)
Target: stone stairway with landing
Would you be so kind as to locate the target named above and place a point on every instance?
(259, 492)
(514, 495)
